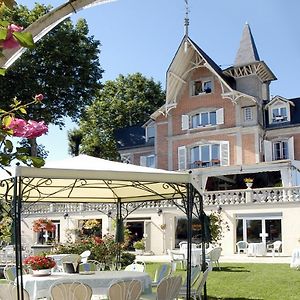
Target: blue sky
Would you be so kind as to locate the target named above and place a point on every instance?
(143, 36)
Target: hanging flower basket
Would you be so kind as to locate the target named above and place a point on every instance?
(41, 225)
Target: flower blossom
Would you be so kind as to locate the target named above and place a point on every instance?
(30, 129)
(39, 97)
(10, 41)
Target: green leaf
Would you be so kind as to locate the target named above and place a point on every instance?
(9, 3)
(37, 161)
(9, 146)
(22, 110)
(6, 120)
(25, 39)
(4, 23)
(2, 71)
(3, 34)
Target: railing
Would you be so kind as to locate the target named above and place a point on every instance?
(230, 197)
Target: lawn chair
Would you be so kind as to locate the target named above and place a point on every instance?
(161, 272)
(242, 246)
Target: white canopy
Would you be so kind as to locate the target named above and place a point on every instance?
(89, 179)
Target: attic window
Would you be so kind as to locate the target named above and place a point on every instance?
(279, 114)
(201, 87)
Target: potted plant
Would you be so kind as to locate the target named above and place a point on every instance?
(139, 246)
(39, 264)
(42, 226)
(249, 182)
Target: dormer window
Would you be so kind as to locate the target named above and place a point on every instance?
(150, 133)
(201, 86)
(279, 114)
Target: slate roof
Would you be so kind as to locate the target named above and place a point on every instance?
(131, 137)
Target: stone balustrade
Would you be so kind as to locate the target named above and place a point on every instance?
(226, 197)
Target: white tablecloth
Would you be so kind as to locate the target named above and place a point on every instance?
(196, 257)
(38, 287)
(295, 260)
(256, 249)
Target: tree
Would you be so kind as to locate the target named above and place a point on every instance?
(64, 66)
(75, 138)
(127, 101)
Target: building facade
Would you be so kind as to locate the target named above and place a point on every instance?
(223, 126)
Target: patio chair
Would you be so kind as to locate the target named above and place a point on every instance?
(125, 290)
(135, 267)
(85, 255)
(175, 257)
(242, 246)
(167, 289)
(10, 291)
(183, 246)
(10, 272)
(161, 272)
(213, 257)
(196, 286)
(70, 291)
(275, 247)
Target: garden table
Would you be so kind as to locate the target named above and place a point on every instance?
(255, 249)
(39, 287)
(196, 256)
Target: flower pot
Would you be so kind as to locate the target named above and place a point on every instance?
(42, 272)
(249, 185)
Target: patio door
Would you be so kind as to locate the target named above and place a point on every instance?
(258, 229)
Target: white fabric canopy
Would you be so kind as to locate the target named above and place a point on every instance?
(89, 179)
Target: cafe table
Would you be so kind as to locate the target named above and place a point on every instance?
(99, 281)
(256, 249)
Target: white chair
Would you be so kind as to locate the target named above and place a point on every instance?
(135, 267)
(70, 291)
(9, 291)
(125, 290)
(183, 246)
(242, 246)
(275, 247)
(196, 286)
(10, 272)
(85, 255)
(213, 256)
(167, 289)
(175, 257)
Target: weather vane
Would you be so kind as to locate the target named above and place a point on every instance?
(186, 19)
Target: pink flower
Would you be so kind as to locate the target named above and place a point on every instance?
(29, 130)
(10, 41)
(39, 97)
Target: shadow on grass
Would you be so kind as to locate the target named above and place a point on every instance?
(231, 298)
(230, 269)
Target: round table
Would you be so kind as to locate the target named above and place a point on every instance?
(39, 287)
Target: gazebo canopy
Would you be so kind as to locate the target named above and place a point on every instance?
(89, 179)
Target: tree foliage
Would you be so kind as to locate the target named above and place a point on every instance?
(127, 101)
(64, 66)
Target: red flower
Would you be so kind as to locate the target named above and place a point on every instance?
(39, 262)
(43, 225)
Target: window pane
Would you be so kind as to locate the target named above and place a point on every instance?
(215, 151)
(150, 132)
(273, 229)
(275, 112)
(283, 111)
(247, 113)
(195, 154)
(276, 151)
(239, 230)
(195, 121)
(205, 153)
(198, 87)
(284, 150)
(213, 118)
(204, 118)
(254, 228)
(150, 161)
(207, 86)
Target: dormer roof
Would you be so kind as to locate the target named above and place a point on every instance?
(279, 98)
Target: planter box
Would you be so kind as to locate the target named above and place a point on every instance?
(39, 249)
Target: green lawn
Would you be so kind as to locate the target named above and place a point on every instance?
(250, 281)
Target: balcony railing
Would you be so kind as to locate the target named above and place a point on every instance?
(227, 197)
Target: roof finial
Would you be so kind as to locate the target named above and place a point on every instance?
(186, 19)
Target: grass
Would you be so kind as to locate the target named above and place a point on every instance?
(250, 281)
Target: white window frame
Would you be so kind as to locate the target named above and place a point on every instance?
(208, 162)
(203, 90)
(187, 120)
(146, 159)
(248, 113)
(149, 136)
(280, 118)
